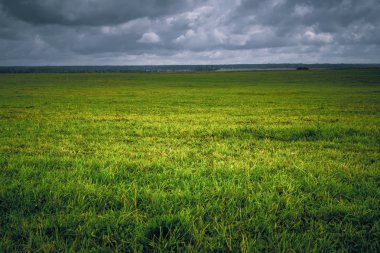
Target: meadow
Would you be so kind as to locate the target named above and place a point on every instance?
(273, 161)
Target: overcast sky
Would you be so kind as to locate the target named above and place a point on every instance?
(134, 32)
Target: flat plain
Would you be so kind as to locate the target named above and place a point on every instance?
(279, 161)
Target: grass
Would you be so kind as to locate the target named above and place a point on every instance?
(279, 161)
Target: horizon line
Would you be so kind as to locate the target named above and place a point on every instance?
(163, 65)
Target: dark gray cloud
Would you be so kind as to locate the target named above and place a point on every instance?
(55, 32)
(89, 12)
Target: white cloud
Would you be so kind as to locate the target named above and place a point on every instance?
(318, 37)
(149, 37)
(185, 37)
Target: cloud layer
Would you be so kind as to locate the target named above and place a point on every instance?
(118, 32)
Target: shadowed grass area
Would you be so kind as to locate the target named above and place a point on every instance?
(277, 161)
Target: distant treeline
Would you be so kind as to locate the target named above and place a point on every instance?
(176, 68)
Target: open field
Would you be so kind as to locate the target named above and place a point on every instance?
(276, 161)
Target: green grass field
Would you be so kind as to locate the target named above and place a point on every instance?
(279, 161)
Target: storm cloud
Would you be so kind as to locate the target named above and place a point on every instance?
(118, 32)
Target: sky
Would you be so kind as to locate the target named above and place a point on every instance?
(157, 32)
